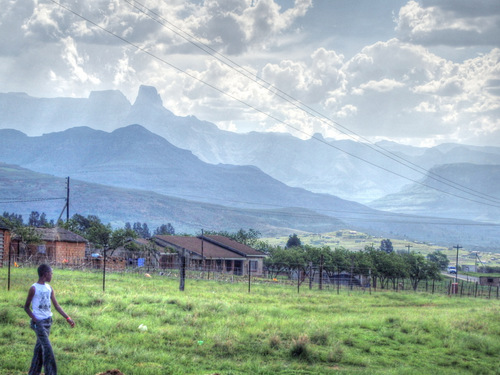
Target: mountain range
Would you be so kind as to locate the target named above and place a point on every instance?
(348, 169)
(145, 147)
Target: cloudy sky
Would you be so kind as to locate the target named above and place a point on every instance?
(416, 72)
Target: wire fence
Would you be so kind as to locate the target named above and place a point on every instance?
(299, 277)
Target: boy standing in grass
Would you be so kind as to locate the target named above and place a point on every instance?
(40, 297)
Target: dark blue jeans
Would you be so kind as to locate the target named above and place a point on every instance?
(43, 354)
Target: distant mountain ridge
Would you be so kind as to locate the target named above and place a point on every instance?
(483, 204)
(22, 189)
(322, 167)
(133, 157)
(260, 171)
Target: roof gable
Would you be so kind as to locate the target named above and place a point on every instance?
(233, 245)
(195, 245)
(59, 234)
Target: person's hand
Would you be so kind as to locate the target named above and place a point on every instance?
(70, 322)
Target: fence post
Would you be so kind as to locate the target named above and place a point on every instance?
(338, 281)
(310, 275)
(370, 280)
(182, 272)
(298, 280)
(321, 272)
(104, 271)
(352, 270)
(8, 277)
(249, 278)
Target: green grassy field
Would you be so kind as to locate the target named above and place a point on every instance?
(220, 328)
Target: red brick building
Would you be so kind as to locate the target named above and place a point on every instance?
(216, 253)
(57, 245)
(4, 245)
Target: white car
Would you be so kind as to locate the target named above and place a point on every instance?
(452, 269)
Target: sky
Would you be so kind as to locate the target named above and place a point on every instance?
(420, 73)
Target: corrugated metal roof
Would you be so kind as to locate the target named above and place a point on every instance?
(235, 245)
(194, 245)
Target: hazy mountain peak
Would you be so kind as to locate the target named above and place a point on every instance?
(148, 95)
(12, 133)
(135, 131)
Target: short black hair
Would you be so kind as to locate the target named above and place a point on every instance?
(43, 269)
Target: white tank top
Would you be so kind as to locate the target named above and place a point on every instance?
(40, 304)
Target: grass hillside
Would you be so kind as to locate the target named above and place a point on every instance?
(22, 190)
(220, 328)
(356, 241)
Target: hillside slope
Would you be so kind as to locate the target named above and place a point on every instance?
(482, 204)
(23, 191)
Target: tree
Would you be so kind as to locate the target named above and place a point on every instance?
(163, 229)
(142, 230)
(337, 261)
(91, 228)
(440, 259)
(119, 237)
(99, 234)
(80, 224)
(386, 246)
(11, 219)
(38, 220)
(386, 266)
(26, 234)
(293, 241)
(249, 238)
(285, 260)
(419, 269)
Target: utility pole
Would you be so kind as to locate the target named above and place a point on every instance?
(456, 263)
(67, 200)
(408, 246)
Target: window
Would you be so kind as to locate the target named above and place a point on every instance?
(253, 265)
(41, 249)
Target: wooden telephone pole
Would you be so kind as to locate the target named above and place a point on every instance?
(456, 263)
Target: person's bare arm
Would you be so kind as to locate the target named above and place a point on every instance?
(31, 294)
(60, 309)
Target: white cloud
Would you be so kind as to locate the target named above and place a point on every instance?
(383, 85)
(76, 63)
(450, 22)
(393, 88)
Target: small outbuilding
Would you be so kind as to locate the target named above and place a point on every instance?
(4, 244)
(56, 245)
(489, 281)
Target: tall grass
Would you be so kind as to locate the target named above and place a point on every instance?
(220, 328)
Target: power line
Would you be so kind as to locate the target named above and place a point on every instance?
(273, 117)
(25, 200)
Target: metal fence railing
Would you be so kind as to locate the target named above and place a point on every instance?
(298, 277)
